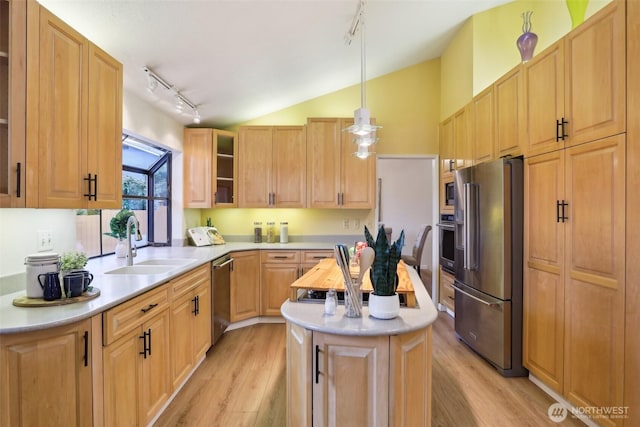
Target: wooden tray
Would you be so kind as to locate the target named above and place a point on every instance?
(327, 275)
(25, 301)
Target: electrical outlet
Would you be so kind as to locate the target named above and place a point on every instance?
(345, 224)
(356, 223)
(45, 240)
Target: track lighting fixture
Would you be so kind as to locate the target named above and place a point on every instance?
(153, 80)
(364, 131)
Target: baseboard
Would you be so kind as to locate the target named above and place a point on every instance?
(254, 321)
(564, 402)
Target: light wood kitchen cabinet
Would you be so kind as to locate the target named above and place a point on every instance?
(311, 258)
(245, 285)
(483, 129)
(447, 150)
(279, 269)
(13, 49)
(74, 118)
(335, 177)
(210, 168)
(574, 277)
(510, 124)
(352, 383)
(367, 380)
(190, 321)
(273, 166)
(463, 125)
(47, 369)
(446, 296)
(136, 359)
(576, 88)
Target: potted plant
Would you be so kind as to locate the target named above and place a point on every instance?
(118, 226)
(72, 261)
(74, 279)
(384, 302)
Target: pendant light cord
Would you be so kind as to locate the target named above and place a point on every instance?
(363, 60)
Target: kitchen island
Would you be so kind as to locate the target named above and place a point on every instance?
(359, 371)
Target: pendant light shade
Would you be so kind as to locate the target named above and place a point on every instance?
(364, 132)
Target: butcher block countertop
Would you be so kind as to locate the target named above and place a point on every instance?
(327, 275)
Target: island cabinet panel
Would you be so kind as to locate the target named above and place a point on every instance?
(352, 387)
(410, 378)
(47, 369)
(245, 285)
(299, 376)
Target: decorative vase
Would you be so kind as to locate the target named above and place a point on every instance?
(577, 10)
(384, 307)
(121, 249)
(527, 41)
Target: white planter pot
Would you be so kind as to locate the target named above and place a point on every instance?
(384, 307)
(121, 249)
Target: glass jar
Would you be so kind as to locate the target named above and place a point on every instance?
(284, 232)
(271, 232)
(257, 232)
(330, 303)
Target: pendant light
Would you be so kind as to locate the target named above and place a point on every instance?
(364, 132)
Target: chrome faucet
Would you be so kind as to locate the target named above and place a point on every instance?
(132, 251)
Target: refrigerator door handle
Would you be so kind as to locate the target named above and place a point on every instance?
(470, 226)
(480, 300)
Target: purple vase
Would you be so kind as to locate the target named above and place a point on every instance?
(527, 41)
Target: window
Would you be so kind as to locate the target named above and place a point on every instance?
(146, 190)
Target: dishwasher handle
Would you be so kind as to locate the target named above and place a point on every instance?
(227, 261)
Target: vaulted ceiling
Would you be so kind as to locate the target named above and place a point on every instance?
(240, 59)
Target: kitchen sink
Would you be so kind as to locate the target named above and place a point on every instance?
(166, 261)
(143, 269)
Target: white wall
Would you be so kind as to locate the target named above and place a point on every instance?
(19, 227)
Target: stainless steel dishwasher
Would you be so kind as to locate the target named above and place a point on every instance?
(221, 283)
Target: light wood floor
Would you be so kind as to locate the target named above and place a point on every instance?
(242, 383)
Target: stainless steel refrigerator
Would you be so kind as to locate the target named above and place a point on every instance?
(488, 280)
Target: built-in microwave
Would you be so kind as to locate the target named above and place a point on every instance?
(448, 194)
(447, 243)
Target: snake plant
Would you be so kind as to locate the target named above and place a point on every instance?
(384, 278)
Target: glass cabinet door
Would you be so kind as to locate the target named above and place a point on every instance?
(226, 166)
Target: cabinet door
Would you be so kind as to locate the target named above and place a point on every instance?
(483, 130)
(323, 162)
(275, 284)
(197, 168)
(462, 136)
(352, 387)
(595, 280)
(595, 72)
(544, 97)
(447, 294)
(58, 161)
(544, 292)
(245, 285)
(224, 168)
(447, 150)
(156, 370)
(290, 166)
(122, 380)
(202, 321)
(13, 50)
(358, 176)
(182, 337)
(255, 166)
(508, 94)
(299, 372)
(46, 377)
(104, 142)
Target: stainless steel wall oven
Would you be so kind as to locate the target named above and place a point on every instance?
(447, 243)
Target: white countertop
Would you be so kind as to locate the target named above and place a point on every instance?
(311, 316)
(116, 289)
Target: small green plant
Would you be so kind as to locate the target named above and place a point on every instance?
(118, 224)
(383, 271)
(73, 261)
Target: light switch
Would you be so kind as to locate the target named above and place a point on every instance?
(45, 240)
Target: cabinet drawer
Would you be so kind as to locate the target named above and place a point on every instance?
(190, 280)
(279, 256)
(119, 320)
(314, 257)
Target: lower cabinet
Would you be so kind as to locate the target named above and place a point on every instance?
(46, 377)
(190, 321)
(348, 380)
(136, 359)
(446, 296)
(245, 285)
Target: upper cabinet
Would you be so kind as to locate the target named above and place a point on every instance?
(272, 166)
(13, 48)
(510, 130)
(210, 168)
(483, 126)
(576, 88)
(337, 178)
(68, 153)
(447, 150)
